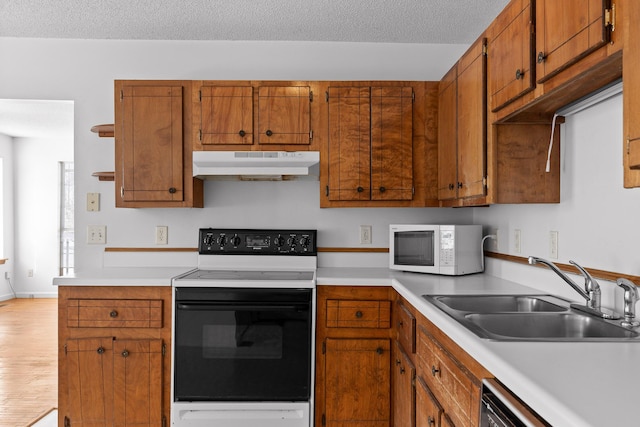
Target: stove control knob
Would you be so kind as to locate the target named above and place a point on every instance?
(209, 240)
(222, 240)
(291, 241)
(279, 241)
(304, 241)
(236, 240)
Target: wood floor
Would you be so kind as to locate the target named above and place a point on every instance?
(28, 360)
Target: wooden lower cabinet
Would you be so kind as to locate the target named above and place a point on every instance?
(112, 373)
(353, 356)
(428, 409)
(403, 388)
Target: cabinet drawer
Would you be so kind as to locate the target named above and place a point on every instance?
(114, 313)
(452, 385)
(406, 325)
(358, 314)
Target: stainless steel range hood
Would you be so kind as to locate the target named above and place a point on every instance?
(256, 165)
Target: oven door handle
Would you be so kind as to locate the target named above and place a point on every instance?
(208, 306)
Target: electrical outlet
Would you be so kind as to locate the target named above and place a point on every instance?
(517, 241)
(498, 240)
(96, 234)
(93, 202)
(7, 275)
(553, 244)
(365, 235)
(162, 237)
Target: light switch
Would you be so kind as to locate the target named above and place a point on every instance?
(93, 202)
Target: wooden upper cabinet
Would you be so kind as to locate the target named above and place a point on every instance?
(511, 54)
(224, 115)
(370, 143)
(472, 121)
(462, 127)
(567, 31)
(349, 143)
(631, 95)
(391, 143)
(284, 115)
(448, 136)
(151, 143)
(153, 163)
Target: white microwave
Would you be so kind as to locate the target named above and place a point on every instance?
(438, 249)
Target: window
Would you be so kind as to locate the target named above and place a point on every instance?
(66, 218)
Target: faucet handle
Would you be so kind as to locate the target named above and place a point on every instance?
(591, 286)
(631, 296)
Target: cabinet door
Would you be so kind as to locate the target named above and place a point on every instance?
(428, 410)
(88, 366)
(631, 94)
(151, 143)
(225, 115)
(391, 143)
(448, 136)
(349, 143)
(403, 389)
(137, 397)
(357, 382)
(472, 121)
(567, 31)
(284, 115)
(511, 54)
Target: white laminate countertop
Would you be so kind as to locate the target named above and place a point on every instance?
(568, 384)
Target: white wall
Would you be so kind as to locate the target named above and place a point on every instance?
(84, 70)
(596, 220)
(6, 153)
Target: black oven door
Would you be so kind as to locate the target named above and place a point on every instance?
(242, 344)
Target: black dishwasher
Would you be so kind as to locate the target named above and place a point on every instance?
(500, 408)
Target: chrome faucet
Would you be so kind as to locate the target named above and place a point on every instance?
(591, 294)
(631, 296)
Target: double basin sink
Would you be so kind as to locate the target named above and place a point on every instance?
(528, 318)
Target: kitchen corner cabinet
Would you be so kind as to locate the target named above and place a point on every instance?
(631, 95)
(353, 356)
(113, 364)
(511, 53)
(252, 115)
(462, 128)
(567, 31)
(152, 150)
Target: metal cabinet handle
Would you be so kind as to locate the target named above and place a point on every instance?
(360, 189)
(100, 350)
(519, 74)
(242, 133)
(434, 371)
(383, 189)
(172, 190)
(459, 185)
(451, 186)
(358, 314)
(269, 133)
(431, 420)
(113, 313)
(402, 369)
(379, 350)
(125, 353)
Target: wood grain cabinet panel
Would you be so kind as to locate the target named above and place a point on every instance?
(108, 313)
(358, 314)
(224, 115)
(511, 54)
(403, 388)
(405, 324)
(631, 95)
(428, 409)
(370, 143)
(152, 152)
(567, 31)
(284, 115)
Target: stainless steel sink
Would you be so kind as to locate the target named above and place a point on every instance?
(502, 303)
(528, 318)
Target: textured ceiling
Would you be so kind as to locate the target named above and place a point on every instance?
(374, 21)
(377, 21)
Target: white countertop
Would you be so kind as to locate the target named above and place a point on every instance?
(568, 384)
